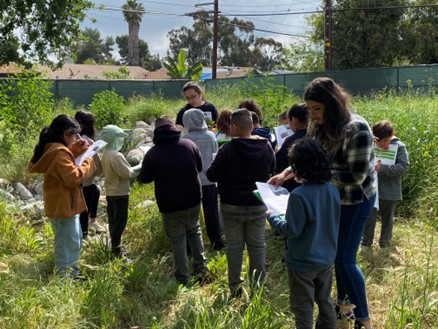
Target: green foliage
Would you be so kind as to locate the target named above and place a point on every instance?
(150, 108)
(180, 69)
(47, 28)
(303, 57)
(108, 108)
(26, 104)
(237, 44)
(91, 47)
(123, 73)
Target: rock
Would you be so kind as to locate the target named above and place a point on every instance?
(6, 195)
(135, 156)
(141, 124)
(4, 183)
(22, 192)
(145, 204)
(137, 137)
(35, 208)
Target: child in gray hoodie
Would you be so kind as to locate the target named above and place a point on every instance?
(194, 124)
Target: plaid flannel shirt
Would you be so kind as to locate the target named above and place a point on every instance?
(352, 166)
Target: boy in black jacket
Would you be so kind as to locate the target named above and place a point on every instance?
(174, 164)
(237, 166)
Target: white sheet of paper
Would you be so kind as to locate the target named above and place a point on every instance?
(282, 132)
(274, 198)
(92, 150)
(388, 156)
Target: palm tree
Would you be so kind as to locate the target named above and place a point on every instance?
(133, 13)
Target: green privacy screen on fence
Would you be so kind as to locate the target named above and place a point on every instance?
(357, 82)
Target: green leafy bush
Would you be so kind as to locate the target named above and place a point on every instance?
(26, 105)
(108, 108)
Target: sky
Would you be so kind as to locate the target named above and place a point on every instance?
(163, 16)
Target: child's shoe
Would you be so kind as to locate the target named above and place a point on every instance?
(94, 225)
(344, 311)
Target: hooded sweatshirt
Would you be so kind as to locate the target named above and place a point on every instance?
(237, 166)
(264, 132)
(62, 191)
(173, 164)
(390, 176)
(115, 168)
(194, 123)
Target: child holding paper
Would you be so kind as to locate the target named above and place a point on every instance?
(392, 162)
(117, 172)
(311, 228)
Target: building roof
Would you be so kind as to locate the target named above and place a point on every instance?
(78, 71)
(90, 71)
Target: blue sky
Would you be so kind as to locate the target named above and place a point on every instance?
(162, 16)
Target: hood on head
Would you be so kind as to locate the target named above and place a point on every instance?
(194, 119)
(114, 136)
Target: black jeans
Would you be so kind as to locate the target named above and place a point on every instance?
(211, 212)
(117, 218)
(91, 196)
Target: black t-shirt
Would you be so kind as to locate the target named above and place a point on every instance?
(209, 110)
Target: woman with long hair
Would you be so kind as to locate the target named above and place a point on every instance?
(348, 141)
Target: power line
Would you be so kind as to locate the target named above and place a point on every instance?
(262, 30)
(336, 10)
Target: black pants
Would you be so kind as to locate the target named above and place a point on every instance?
(91, 195)
(211, 212)
(117, 218)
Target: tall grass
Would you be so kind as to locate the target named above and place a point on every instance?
(402, 282)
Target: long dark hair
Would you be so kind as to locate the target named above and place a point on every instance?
(337, 116)
(86, 120)
(53, 134)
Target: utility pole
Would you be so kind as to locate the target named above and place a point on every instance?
(328, 45)
(215, 39)
(215, 35)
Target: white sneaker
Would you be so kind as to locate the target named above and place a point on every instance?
(97, 227)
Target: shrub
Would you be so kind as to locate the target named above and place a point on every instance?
(26, 105)
(108, 108)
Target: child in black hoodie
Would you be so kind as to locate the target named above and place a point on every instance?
(174, 164)
(237, 166)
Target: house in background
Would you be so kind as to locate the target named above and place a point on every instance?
(98, 72)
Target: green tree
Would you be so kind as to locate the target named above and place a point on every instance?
(237, 44)
(91, 46)
(196, 40)
(47, 28)
(133, 13)
(420, 31)
(147, 61)
(303, 57)
(181, 69)
(363, 35)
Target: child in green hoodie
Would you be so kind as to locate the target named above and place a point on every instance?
(117, 172)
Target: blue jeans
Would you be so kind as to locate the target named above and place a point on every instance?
(68, 244)
(245, 225)
(182, 227)
(306, 288)
(349, 279)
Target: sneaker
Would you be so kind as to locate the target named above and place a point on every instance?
(120, 254)
(100, 229)
(344, 311)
